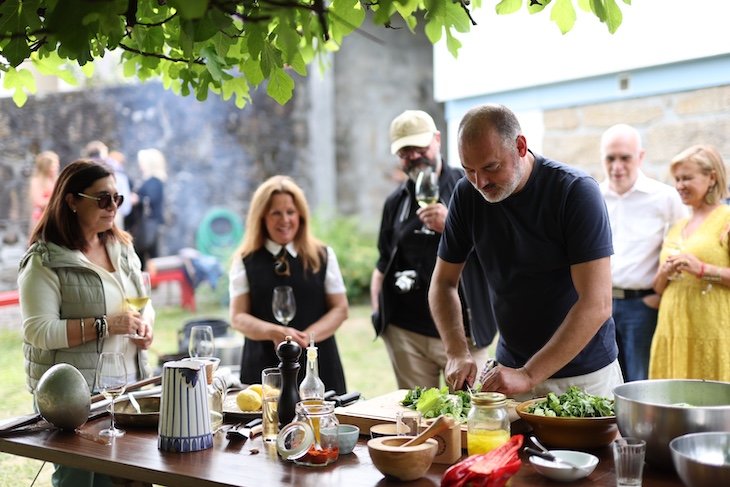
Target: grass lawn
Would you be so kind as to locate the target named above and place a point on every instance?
(366, 364)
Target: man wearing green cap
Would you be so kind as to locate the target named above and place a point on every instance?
(407, 245)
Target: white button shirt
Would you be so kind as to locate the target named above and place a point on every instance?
(639, 220)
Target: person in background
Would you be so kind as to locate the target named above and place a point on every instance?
(45, 173)
(641, 210)
(73, 281)
(278, 249)
(407, 255)
(692, 338)
(98, 151)
(149, 208)
(542, 234)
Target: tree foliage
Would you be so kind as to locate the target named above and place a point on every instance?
(227, 47)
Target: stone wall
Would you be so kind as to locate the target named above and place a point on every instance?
(668, 124)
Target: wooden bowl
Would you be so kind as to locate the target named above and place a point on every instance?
(569, 433)
(383, 429)
(403, 463)
(125, 415)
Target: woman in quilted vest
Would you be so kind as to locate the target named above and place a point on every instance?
(73, 282)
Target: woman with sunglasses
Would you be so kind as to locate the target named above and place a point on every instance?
(73, 281)
(278, 249)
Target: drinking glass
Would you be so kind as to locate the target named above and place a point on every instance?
(111, 381)
(202, 341)
(427, 193)
(138, 303)
(628, 458)
(283, 304)
(270, 391)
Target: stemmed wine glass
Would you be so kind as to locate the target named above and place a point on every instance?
(202, 341)
(138, 303)
(427, 193)
(283, 304)
(111, 381)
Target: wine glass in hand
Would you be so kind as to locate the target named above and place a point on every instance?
(283, 304)
(202, 343)
(111, 381)
(427, 193)
(137, 303)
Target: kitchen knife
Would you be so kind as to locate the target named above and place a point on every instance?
(249, 430)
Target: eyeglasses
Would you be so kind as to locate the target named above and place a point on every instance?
(105, 200)
(405, 152)
(281, 264)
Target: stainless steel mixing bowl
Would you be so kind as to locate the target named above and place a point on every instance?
(702, 459)
(657, 411)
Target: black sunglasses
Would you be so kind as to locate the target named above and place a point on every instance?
(281, 264)
(105, 200)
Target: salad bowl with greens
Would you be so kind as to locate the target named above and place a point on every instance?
(573, 420)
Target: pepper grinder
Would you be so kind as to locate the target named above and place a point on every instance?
(288, 352)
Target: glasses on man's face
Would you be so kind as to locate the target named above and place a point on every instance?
(281, 264)
(105, 200)
(407, 152)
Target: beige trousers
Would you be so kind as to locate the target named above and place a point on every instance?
(420, 360)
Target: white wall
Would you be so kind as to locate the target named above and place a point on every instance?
(507, 52)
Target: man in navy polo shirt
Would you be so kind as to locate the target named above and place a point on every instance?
(542, 234)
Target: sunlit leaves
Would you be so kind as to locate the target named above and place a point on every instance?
(227, 47)
(563, 14)
(20, 82)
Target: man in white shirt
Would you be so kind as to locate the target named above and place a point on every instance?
(641, 210)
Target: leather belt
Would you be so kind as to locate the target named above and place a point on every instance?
(619, 293)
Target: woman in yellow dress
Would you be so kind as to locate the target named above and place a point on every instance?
(692, 338)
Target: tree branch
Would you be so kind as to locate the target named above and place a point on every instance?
(159, 56)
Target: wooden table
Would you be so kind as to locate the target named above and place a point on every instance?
(136, 456)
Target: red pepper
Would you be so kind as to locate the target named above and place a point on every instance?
(491, 469)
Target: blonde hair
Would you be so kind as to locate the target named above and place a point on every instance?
(709, 161)
(43, 163)
(307, 246)
(152, 163)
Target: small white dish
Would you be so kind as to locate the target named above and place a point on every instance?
(585, 462)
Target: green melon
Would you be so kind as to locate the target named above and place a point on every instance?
(63, 397)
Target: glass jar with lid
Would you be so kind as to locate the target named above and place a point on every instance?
(311, 439)
(488, 425)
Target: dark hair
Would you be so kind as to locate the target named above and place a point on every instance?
(59, 224)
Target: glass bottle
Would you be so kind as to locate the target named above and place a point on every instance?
(311, 439)
(312, 386)
(488, 424)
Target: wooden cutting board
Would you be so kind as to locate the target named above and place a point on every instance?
(382, 409)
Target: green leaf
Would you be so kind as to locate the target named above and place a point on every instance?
(563, 14)
(239, 87)
(345, 16)
(506, 7)
(190, 9)
(21, 82)
(280, 86)
(52, 65)
(613, 16)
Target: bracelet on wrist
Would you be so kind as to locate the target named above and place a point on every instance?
(102, 327)
(702, 270)
(83, 331)
(712, 277)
